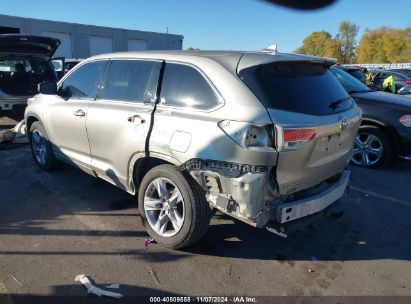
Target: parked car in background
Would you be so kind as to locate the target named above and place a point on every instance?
(379, 76)
(353, 71)
(194, 131)
(385, 130)
(63, 65)
(24, 63)
(405, 72)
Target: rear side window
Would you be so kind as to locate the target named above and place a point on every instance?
(84, 82)
(301, 87)
(184, 86)
(131, 80)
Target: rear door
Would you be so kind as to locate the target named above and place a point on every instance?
(316, 121)
(118, 122)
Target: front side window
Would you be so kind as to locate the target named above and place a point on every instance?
(84, 82)
(184, 86)
(131, 80)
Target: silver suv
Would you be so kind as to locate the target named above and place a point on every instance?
(265, 138)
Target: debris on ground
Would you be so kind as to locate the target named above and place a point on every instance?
(14, 278)
(113, 286)
(311, 270)
(16, 135)
(154, 275)
(147, 242)
(96, 290)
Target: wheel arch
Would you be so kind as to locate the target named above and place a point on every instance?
(29, 121)
(140, 164)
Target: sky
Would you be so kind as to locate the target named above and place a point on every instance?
(218, 24)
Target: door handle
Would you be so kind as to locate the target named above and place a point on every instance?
(136, 119)
(79, 112)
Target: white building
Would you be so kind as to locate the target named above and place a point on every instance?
(82, 41)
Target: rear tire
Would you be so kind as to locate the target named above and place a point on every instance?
(41, 147)
(173, 222)
(372, 147)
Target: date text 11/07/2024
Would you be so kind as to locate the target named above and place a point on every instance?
(237, 299)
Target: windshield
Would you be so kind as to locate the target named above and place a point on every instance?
(302, 87)
(350, 83)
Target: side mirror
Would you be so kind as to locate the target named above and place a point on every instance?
(48, 88)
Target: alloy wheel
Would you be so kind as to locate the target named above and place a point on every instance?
(164, 207)
(39, 146)
(368, 149)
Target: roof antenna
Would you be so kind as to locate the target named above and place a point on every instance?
(271, 49)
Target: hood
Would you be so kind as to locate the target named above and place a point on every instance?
(382, 97)
(28, 45)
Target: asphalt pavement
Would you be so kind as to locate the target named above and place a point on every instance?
(54, 226)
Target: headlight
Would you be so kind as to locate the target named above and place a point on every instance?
(249, 136)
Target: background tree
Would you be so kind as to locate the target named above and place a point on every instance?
(321, 44)
(347, 35)
(385, 45)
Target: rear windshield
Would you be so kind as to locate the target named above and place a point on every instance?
(301, 87)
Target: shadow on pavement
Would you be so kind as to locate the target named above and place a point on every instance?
(371, 228)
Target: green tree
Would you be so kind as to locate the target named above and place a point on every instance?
(314, 44)
(332, 49)
(321, 44)
(385, 45)
(347, 35)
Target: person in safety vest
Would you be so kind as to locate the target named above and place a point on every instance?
(389, 84)
(368, 76)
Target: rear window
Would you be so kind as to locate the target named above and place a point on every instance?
(301, 87)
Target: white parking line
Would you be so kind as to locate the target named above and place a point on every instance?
(4, 295)
(384, 197)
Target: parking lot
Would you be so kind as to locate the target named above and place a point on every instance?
(54, 226)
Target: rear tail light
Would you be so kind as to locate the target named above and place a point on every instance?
(293, 139)
(298, 134)
(406, 120)
(408, 82)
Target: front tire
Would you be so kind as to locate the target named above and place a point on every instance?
(372, 147)
(173, 207)
(41, 147)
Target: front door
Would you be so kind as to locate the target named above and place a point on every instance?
(67, 112)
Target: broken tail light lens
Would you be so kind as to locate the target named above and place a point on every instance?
(293, 139)
(406, 120)
(249, 136)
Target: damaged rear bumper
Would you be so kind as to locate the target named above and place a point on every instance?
(252, 196)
